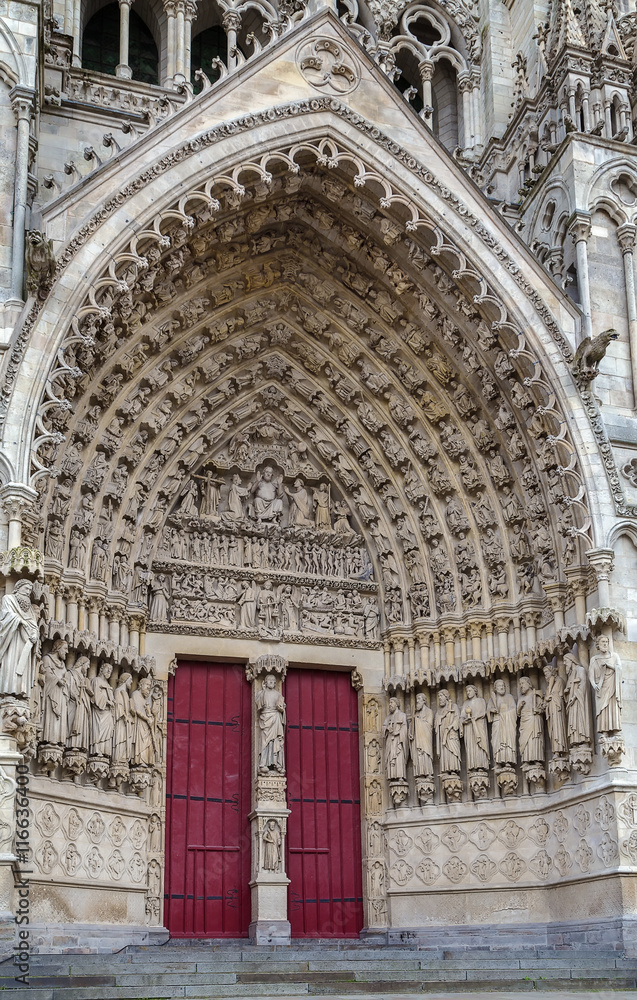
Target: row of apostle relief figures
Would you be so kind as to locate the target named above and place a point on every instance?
(95, 720)
(492, 742)
(76, 711)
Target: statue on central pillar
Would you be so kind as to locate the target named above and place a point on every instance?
(271, 713)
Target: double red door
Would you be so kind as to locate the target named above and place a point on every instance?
(207, 890)
(324, 832)
(208, 850)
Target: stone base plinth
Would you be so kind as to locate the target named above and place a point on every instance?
(270, 932)
(269, 896)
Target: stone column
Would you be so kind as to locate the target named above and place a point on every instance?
(465, 87)
(268, 818)
(231, 22)
(426, 75)
(22, 103)
(602, 562)
(180, 77)
(580, 230)
(123, 71)
(626, 235)
(190, 16)
(171, 42)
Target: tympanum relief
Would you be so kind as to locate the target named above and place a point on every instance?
(259, 542)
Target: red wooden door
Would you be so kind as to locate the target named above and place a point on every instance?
(208, 802)
(324, 835)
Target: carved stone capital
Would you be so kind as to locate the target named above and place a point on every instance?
(426, 70)
(22, 102)
(231, 20)
(579, 226)
(626, 236)
(602, 562)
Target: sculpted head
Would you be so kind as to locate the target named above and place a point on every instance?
(60, 647)
(125, 680)
(393, 705)
(471, 692)
(82, 664)
(267, 473)
(270, 681)
(145, 685)
(106, 669)
(603, 644)
(547, 671)
(499, 687)
(524, 685)
(443, 697)
(421, 702)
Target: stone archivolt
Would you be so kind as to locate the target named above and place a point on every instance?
(347, 333)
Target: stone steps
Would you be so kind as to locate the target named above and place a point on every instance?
(213, 972)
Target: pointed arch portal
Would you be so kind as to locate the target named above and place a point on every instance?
(309, 402)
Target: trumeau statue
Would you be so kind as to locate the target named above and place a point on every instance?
(271, 712)
(396, 742)
(605, 674)
(19, 640)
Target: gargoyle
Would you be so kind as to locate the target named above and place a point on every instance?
(588, 356)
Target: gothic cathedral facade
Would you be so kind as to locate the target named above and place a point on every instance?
(318, 469)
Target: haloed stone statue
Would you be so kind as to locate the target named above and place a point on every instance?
(271, 713)
(501, 713)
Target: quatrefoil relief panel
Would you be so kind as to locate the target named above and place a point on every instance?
(327, 67)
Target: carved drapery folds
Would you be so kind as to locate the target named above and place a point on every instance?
(91, 721)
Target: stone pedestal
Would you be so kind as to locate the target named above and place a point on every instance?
(11, 891)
